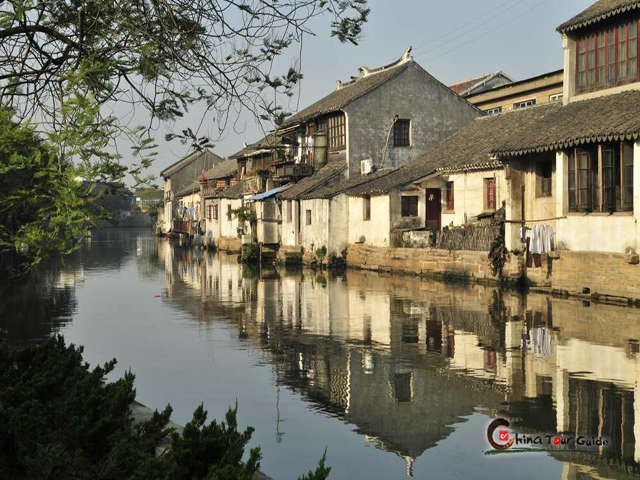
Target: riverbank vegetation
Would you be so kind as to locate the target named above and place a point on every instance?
(60, 419)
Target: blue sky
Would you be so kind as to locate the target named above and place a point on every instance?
(453, 41)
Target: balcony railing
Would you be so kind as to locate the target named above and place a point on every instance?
(293, 170)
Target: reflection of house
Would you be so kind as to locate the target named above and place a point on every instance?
(404, 360)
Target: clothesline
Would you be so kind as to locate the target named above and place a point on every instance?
(534, 221)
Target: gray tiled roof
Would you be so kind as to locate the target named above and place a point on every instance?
(468, 148)
(330, 191)
(598, 11)
(326, 174)
(223, 169)
(271, 141)
(233, 191)
(347, 94)
(608, 118)
(207, 157)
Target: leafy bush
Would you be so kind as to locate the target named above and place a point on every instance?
(61, 420)
(250, 253)
(321, 252)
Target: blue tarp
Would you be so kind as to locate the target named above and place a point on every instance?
(262, 196)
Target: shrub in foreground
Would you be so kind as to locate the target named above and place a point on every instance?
(62, 420)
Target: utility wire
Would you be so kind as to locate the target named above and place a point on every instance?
(481, 24)
(486, 33)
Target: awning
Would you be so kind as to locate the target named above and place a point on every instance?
(267, 194)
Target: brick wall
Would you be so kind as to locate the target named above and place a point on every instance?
(602, 273)
(430, 262)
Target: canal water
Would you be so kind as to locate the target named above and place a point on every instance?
(393, 376)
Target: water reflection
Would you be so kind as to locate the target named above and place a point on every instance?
(405, 363)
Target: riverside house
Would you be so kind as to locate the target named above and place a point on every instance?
(381, 119)
(589, 148)
(218, 178)
(384, 117)
(179, 177)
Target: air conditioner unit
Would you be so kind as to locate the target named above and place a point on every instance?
(366, 167)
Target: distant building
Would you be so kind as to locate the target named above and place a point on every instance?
(481, 84)
(180, 178)
(538, 90)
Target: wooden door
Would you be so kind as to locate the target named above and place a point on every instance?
(434, 208)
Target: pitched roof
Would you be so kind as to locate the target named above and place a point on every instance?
(189, 190)
(467, 86)
(608, 118)
(597, 12)
(330, 191)
(206, 156)
(470, 148)
(270, 142)
(367, 81)
(227, 168)
(318, 179)
(232, 191)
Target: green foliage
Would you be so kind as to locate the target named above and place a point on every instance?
(62, 420)
(321, 472)
(498, 254)
(246, 217)
(250, 253)
(321, 252)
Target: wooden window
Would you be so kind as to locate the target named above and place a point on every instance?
(602, 57)
(409, 206)
(610, 177)
(489, 193)
(402, 133)
(543, 179)
(337, 131)
(627, 177)
(308, 217)
(591, 60)
(209, 212)
(608, 57)
(215, 212)
(290, 211)
(449, 201)
(229, 212)
(585, 161)
(601, 179)
(366, 208)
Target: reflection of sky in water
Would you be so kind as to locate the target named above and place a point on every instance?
(391, 374)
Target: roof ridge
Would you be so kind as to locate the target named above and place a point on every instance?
(479, 77)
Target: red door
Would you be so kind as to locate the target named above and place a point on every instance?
(434, 208)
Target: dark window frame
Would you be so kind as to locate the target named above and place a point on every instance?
(608, 57)
(409, 206)
(490, 197)
(544, 179)
(607, 170)
(366, 208)
(449, 197)
(337, 131)
(402, 133)
(308, 217)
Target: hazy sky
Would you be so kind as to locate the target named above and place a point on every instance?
(452, 40)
